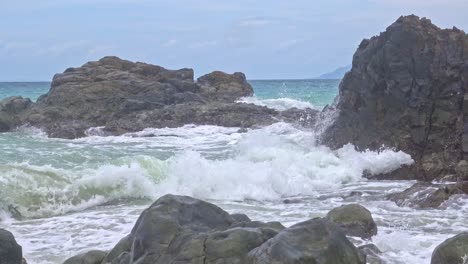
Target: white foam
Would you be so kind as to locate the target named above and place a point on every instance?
(280, 104)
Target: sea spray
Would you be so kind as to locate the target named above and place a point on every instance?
(262, 164)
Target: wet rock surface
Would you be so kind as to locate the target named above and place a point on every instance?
(452, 251)
(125, 96)
(428, 195)
(405, 90)
(354, 219)
(181, 229)
(10, 251)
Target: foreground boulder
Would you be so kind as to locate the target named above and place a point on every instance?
(354, 219)
(10, 251)
(314, 241)
(406, 90)
(452, 251)
(184, 230)
(428, 195)
(123, 96)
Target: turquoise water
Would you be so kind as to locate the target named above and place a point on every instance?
(30, 90)
(87, 193)
(316, 92)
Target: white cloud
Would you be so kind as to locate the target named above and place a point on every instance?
(169, 43)
(255, 22)
(203, 44)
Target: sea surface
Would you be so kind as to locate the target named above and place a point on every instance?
(87, 193)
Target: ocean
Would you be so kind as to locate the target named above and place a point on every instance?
(86, 193)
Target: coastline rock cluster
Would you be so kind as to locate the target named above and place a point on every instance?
(406, 90)
(182, 229)
(124, 96)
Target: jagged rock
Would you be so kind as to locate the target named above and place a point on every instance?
(11, 109)
(372, 253)
(10, 251)
(90, 257)
(124, 96)
(183, 230)
(428, 195)
(354, 219)
(314, 241)
(452, 251)
(405, 90)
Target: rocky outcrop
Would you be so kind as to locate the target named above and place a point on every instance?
(10, 251)
(428, 195)
(354, 219)
(124, 96)
(406, 91)
(183, 230)
(452, 251)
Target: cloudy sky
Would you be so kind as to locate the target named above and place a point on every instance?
(266, 39)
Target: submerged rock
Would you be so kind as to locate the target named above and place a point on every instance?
(354, 219)
(428, 195)
(122, 96)
(183, 230)
(452, 251)
(406, 90)
(10, 251)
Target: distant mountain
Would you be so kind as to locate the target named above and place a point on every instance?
(336, 74)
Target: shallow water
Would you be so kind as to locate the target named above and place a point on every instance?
(87, 193)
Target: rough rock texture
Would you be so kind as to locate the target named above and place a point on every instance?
(354, 219)
(314, 241)
(10, 111)
(124, 96)
(183, 230)
(372, 253)
(10, 251)
(90, 257)
(428, 195)
(452, 251)
(405, 90)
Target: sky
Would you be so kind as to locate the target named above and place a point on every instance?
(266, 39)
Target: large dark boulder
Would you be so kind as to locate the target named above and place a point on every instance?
(184, 230)
(452, 251)
(315, 241)
(124, 96)
(10, 251)
(405, 90)
(354, 219)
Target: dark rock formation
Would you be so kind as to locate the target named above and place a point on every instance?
(124, 96)
(183, 230)
(428, 195)
(405, 90)
(452, 251)
(372, 253)
(314, 241)
(91, 257)
(354, 219)
(10, 251)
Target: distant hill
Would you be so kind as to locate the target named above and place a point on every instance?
(336, 74)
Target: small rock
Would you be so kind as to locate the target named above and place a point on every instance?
(90, 257)
(354, 219)
(372, 253)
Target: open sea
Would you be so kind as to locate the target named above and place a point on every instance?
(82, 194)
